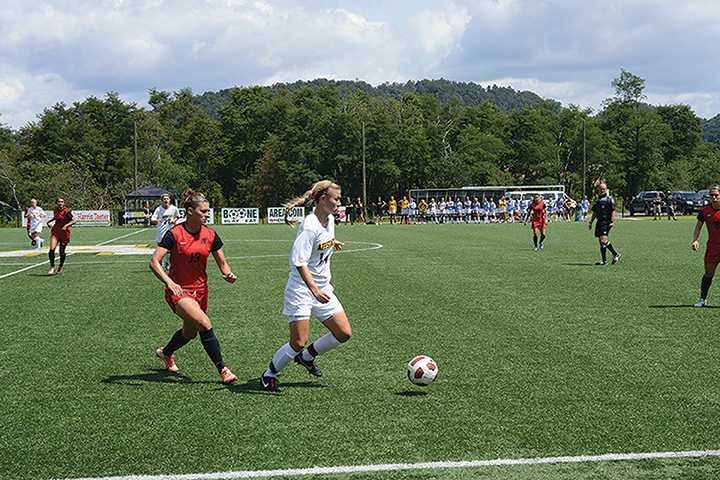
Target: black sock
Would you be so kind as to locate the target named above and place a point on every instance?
(705, 286)
(542, 238)
(612, 250)
(535, 240)
(212, 348)
(62, 255)
(603, 252)
(51, 256)
(311, 350)
(177, 341)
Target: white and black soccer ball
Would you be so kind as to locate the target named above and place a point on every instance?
(422, 370)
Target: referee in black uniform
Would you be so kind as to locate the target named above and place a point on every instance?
(603, 210)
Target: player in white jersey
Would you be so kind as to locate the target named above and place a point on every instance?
(308, 291)
(34, 217)
(165, 217)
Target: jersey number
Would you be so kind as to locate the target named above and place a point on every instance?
(324, 259)
(195, 257)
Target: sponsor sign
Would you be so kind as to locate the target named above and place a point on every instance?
(210, 220)
(134, 217)
(277, 214)
(240, 216)
(92, 218)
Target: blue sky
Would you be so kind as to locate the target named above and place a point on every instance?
(567, 50)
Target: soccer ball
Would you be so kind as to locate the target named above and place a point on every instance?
(422, 370)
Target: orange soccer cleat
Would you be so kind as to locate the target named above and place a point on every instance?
(227, 376)
(169, 361)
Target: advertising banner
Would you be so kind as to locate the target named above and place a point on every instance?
(277, 214)
(240, 216)
(134, 217)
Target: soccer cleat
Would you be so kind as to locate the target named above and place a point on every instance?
(700, 303)
(602, 262)
(51, 271)
(542, 246)
(169, 361)
(60, 269)
(311, 366)
(269, 383)
(227, 376)
(535, 249)
(616, 258)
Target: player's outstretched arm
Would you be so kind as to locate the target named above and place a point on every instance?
(592, 219)
(160, 272)
(222, 264)
(69, 224)
(695, 245)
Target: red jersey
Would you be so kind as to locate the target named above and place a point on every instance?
(538, 212)
(189, 253)
(62, 217)
(711, 218)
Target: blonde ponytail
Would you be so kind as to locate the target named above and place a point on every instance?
(313, 195)
(191, 198)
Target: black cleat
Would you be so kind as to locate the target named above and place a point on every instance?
(269, 384)
(311, 366)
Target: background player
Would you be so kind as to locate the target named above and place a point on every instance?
(165, 217)
(538, 212)
(35, 216)
(186, 289)
(308, 291)
(710, 216)
(603, 210)
(59, 234)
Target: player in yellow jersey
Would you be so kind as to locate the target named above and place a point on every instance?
(392, 209)
(404, 210)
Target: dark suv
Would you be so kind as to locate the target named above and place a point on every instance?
(686, 203)
(643, 202)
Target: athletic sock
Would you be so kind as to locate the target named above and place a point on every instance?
(177, 341)
(62, 256)
(535, 240)
(542, 238)
(51, 256)
(603, 252)
(612, 250)
(322, 345)
(705, 286)
(212, 348)
(282, 357)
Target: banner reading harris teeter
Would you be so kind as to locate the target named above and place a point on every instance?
(92, 218)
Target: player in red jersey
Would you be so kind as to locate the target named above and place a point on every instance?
(59, 233)
(538, 211)
(186, 290)
(710, 216)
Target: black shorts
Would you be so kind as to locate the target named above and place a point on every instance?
(602, 229)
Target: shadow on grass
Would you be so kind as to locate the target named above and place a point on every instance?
(592, 264)
(684, 306)
(411, 393)
(154, 375)
(254, 387)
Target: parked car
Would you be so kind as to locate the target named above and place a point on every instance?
(643, 202)
(686, 203)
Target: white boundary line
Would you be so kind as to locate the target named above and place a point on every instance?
(48, 261)
(393, 467)
(372, 246)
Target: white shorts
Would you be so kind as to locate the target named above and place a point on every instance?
(300, 304)
(36, 229)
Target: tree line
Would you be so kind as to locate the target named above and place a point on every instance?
(260, 146)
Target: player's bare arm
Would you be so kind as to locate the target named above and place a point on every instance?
(160, 272)
(695, 245)
(222, 264)
(305, 274)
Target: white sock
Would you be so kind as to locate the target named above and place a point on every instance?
(322, 345)
(282, 357)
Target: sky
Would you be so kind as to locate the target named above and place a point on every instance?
(63, 50)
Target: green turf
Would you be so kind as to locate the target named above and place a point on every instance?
(540, 354)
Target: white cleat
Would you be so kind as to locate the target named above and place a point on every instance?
(700, 303)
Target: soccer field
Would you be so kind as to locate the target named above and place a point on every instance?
(541, 354)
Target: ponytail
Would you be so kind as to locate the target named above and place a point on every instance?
(313, 195)
(191, 199)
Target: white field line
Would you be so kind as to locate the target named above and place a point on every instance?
(372, 246)
(123, 236)
(393, 467)
(48, 261)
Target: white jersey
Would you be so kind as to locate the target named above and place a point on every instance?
(36, 215)
(313, 247)
(166, 218)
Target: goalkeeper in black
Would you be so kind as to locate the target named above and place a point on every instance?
(603, 210)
